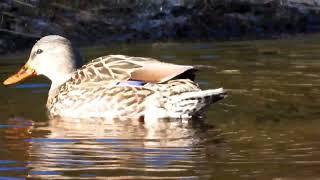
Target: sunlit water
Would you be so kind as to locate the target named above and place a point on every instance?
(267, 128)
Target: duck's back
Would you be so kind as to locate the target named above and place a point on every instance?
(123, 68)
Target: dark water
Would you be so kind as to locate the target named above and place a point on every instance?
(268, 127)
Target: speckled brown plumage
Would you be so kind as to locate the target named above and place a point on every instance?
(101, 88)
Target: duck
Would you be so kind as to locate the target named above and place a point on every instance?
(114, 86)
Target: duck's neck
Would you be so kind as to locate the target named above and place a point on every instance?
(57, 81)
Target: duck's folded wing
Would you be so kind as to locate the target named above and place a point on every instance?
(158, 72)
(123, 68)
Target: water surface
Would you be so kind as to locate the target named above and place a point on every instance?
(268, 127)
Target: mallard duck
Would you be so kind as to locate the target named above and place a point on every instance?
(114, 86)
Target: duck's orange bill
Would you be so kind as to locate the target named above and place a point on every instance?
(21, 75)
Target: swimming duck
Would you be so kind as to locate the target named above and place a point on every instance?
(114, 86)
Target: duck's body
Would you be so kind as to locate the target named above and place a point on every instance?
(115, 86)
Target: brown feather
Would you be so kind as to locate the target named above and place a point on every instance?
(158, 72)
(123, 68)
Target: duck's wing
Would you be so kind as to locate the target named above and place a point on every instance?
(158, 72)
(122, 68)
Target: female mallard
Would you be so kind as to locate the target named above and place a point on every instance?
(114, 86)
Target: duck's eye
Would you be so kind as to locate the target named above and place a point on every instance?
(39, 51)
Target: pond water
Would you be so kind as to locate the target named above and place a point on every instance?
(267, 128)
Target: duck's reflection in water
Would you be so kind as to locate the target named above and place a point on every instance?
(114, 148)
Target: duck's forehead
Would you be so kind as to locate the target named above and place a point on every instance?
(52, 38)
(48, 44)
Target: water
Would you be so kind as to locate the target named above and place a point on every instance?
(267, 128)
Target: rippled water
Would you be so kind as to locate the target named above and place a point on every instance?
(268, 127)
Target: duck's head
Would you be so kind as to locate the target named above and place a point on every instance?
(52, 56)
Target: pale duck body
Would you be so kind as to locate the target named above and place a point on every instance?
(101, 89)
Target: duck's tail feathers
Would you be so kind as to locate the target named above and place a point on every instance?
(190, 104)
